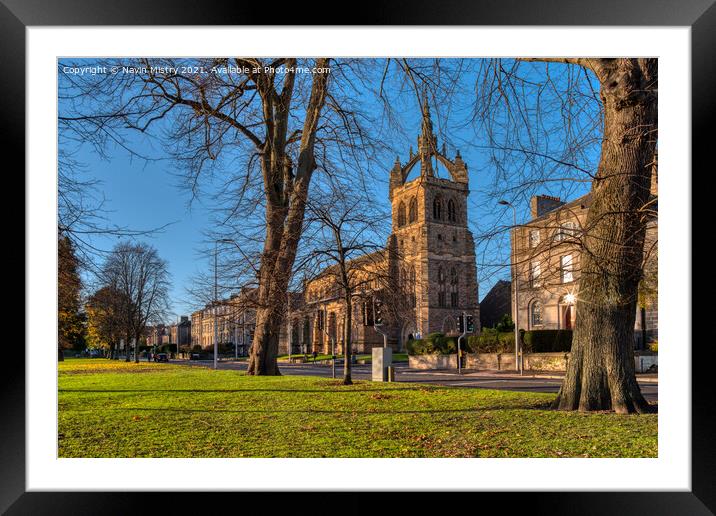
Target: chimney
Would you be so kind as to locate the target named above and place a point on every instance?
(541, 204)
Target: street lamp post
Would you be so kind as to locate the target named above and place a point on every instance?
(216, 305)
(516, 287)
(290, 329)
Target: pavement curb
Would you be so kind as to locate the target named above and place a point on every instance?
(446, 372)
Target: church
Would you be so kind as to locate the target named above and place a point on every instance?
(424, 278)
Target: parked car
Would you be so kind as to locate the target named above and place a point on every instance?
(194, 356)
(161, 357)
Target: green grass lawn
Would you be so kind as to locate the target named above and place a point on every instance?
(114, 409)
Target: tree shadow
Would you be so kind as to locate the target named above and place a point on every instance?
(364, 412)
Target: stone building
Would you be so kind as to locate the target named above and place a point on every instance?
(496, 303)
(180, 332)
(546, 259)
(234, 323)
(426, 276)
(156, 335)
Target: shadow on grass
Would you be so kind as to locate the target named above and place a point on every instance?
(348, 390)
(315, 411)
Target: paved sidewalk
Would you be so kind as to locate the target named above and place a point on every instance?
(505, 374)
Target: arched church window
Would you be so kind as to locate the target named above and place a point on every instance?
(536, 313)
(453, 287)
(412, 286)
(413, 210)
(441, 287)
(451, 211)
(401, 214)
(437, 208)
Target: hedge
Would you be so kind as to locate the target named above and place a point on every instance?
(492, 341)
(547, 341)
(435, 344)
(534, 341)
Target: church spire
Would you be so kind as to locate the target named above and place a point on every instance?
(427, 142)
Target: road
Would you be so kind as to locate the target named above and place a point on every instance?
(470, 379)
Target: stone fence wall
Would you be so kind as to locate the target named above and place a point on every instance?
(432, 361)
(506, 361)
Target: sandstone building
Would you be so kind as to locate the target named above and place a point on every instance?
(546, 259)
(180, 333)
(235, 319)
(425, 276)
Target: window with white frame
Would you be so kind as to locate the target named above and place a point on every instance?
(535, 271)
(534, 237)
(566, 266)
(566, 230)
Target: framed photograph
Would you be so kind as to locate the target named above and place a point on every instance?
(431, 261)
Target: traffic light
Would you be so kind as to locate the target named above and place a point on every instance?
(460, 324)
(378, 315)
(470, 324)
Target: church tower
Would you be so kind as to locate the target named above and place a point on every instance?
(434, 248)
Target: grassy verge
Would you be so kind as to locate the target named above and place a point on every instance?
(114, 409)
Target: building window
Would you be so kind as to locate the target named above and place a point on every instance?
(401, 214)
(536, 313)
(368, 313)
(441, 288)
(453, 288)
(437, 208)
(451, 211)
(534, 237)
(320, 320)
(535, 271)
(565, 230)
(413, 210)
(412, 286)
(566, 266)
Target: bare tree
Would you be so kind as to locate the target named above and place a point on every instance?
(82, 208)
(567, 124)
(343, 238)
(600, 373)
(277, 119)
(142, 281)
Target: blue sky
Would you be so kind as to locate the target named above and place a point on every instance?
(146, 195)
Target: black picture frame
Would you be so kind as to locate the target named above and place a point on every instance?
(700, 15)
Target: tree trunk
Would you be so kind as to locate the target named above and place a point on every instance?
(286, 195)
(600, 374)
(60, 355)
(347, 342)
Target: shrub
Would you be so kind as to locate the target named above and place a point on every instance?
(492, 341)
(434, 344)
(654, 346)
(225, 347)
(505, 324)
(196, 348)
(547, 341)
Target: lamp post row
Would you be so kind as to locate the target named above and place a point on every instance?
(515, 286)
